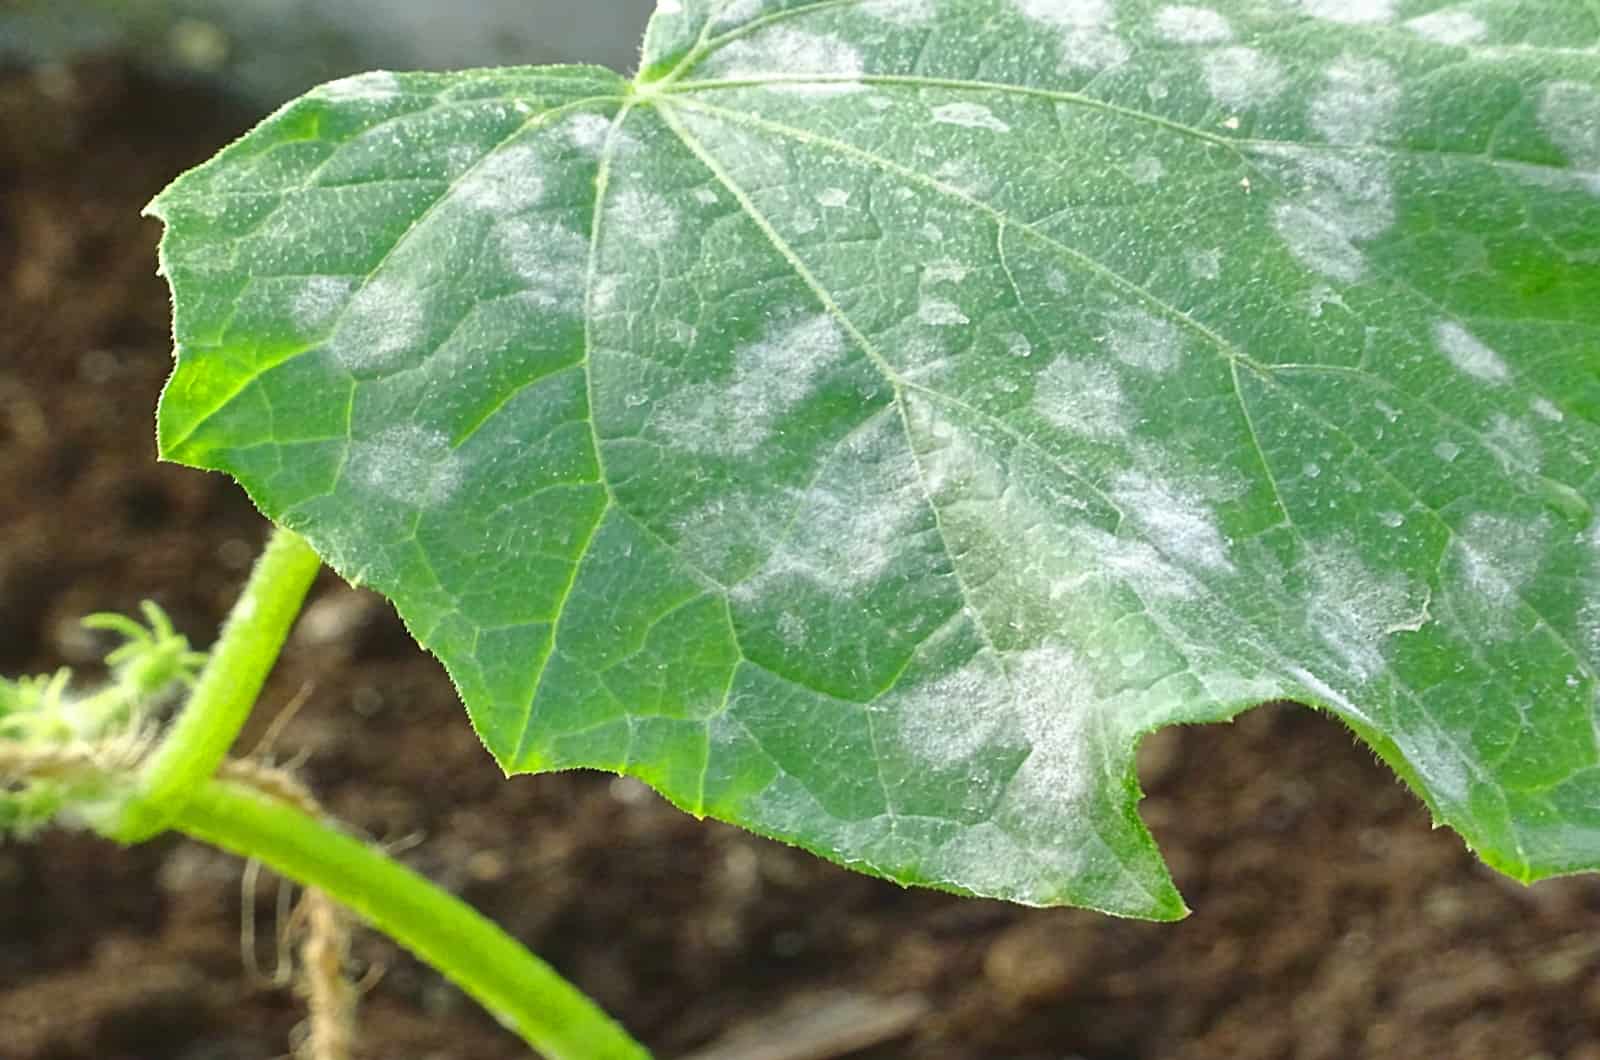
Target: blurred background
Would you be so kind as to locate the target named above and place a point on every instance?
(269, 50)
(1330, 921)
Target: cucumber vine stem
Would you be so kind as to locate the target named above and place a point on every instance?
(526, 995)
(227, 688)
(178, 788)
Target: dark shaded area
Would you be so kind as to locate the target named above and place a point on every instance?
(1330, 921)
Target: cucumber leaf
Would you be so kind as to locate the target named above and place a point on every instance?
(870, 421)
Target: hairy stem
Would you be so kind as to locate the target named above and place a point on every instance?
(520, 990)
(227, 688)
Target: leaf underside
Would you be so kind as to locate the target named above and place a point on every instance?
(870, 421)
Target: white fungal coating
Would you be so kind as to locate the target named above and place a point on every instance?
(382, 326)
(1187, 24)
(507, 181)
(1469, 353)
(1082, 398)
(1351, 12)
(970, 115)
(407, 464)
(1357, 102)
(1242, 78)
(1448, 27)
(318, 302)
(1569, 114)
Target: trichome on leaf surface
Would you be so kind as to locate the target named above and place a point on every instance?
(872, 419)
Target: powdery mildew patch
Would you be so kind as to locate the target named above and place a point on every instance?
(1469, 353)
(1242, 78)
(1083, 398)
(1084, 26)
(1514, 444)
(318, 302)
(1448, 27)
(969, 115)
(771, 376)
(383, 325)
(1351, 12)
(1146, 341)
(1187, 24)
(507, 181)
(1358, 101)
(1569, 114)
(1177, 521)
(854, 522)
(1493, 557)
(548, 258)
(940, 313)
(906, 13)
(948, 719)
(408, 465)
(1338, 203)
(785, 50)
(1354, 610)
(642, 215)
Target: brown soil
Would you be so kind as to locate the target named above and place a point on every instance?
(1330, 920)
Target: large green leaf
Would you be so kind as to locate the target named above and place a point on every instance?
(873, 419)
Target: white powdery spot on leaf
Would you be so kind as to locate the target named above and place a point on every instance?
(1082, 398)
(787, 51)
(969, 115)
(551, 261)
(1054, 701)
(736, 13)
(1354, 610)
(770, 377)
(832, 198)
(587, 132)
(1146, 341)
(319, 300)
(1358, 101)
(965, 176)
(1087, 42)
(1340, 202)
(1546, 409)
(1187, 24)
(376, 87)
(1148, 170)
(1240, 78)
(945, 270)
(1204, 264)
(408, 464)
(1493, 557)
(1569, 114)
(1448, 27)
(1589, 610)
(1176, 521)
(900, 12)
(948, 719)
(941, 313)
(1067, 13)
(505, 182)
(1469, 353)
(383, 324)
(1318, 242)
(1350, 12)
(851, 527)
(1514, 444)
(643, 215)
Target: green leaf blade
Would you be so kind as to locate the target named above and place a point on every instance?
(867, 436)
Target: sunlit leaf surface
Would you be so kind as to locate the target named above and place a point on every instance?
(873, 419)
